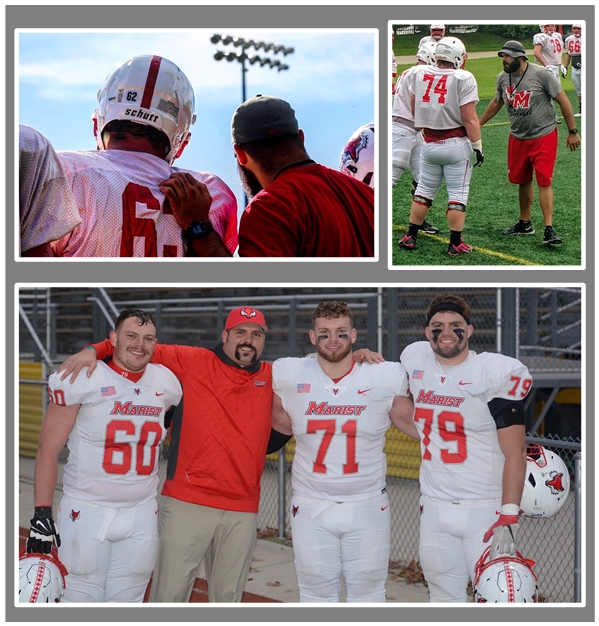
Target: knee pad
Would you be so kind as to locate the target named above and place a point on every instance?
(422, 200)
(455, 206)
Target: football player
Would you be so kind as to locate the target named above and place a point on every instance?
(469, 412)
(573, 50)
(437, 32)
(548, 49)
(443, 101)
(142, 121)
(112, 423)
(406, 140)
(338, 412)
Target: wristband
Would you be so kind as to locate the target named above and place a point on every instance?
(197, 230)
(510, 509)
(573, 131)
(477, 145)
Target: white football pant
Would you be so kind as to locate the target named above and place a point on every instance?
(407, 143)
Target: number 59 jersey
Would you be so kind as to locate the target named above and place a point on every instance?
(339, 427)
(114, 444)
(461, 457)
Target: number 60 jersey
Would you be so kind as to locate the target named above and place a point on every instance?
(461, 457)
(339, 427)
(113, 447)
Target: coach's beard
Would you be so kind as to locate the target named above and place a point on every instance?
(512, 67)
(250, 183)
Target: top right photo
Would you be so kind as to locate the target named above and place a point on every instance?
(487, 145)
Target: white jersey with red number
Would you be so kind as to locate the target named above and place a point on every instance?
(552, 47)
(573, 46)
(339, 428)
(401, 99)
(439, 94)
(123, 209)
(461, 457)
(47, 207)
(114, 445)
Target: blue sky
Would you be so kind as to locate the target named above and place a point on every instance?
(330, 83)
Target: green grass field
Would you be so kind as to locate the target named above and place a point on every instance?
(493, 201)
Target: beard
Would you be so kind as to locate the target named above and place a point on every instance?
(449, 352)
(249, 182)
(335, 357)
(238, 354)
(512, 67)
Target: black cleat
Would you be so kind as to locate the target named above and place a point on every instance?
(425, 227)
(519, 229)
(551, 237)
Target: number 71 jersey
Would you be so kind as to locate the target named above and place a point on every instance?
(114, 444)
(339, 427)
(461, 457)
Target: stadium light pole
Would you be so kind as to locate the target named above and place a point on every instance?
(242, 56)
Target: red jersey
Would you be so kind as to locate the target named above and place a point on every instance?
(309, 211)
(218, 444)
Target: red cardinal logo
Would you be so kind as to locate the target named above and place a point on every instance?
(555, 483)
(75, 515)
(247, 312)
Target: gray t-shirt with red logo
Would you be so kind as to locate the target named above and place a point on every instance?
(528, 99)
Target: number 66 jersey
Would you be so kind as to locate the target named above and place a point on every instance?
(114, 444)
(461, 457)
(339, 426)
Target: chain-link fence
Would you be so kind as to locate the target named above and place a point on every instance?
(540, 326)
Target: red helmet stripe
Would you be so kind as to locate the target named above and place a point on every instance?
(146, 100)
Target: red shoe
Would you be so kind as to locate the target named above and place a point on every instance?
(463, 248)
(407, 242)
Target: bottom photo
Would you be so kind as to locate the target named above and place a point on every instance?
(264, 445)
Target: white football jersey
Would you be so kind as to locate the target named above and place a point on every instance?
(123, 208)
(401, 99)
(339, 428)
(573, 46)
(47, 207)
(461, 457)
(114, 445)
(552, 47)
(439, 94)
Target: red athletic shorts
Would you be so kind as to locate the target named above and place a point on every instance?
(526, 155)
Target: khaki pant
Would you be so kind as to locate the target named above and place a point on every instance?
(190, 533)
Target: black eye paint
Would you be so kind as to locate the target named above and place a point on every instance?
(322, 338)
(435, 333)
(459, 332)
(343, 336)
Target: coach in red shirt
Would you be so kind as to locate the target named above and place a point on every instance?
(298, 208)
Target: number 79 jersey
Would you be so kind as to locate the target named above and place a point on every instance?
(461, 457)
(114, 445)
(339, 428)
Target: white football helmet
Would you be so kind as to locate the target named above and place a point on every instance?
(426, 52)
(439, 31)
(546, 485)
(357, 157)
(505, 579)
(451, 49)
(148, 90)
(41, 578)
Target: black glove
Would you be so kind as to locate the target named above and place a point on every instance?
(42, 532)
(480, 157)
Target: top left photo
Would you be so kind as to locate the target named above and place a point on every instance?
(239, 144)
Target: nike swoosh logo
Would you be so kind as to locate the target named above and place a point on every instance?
(361, 391)
(461, 383)
(160, 394)
(384, 507)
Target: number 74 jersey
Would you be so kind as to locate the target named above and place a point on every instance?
(114, 444)
(339, 427)
(461, 457)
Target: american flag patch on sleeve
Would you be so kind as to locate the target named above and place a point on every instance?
(417, 374)
(108, 391)
(303, 388)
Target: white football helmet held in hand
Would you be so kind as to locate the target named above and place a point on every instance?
(149, 90)
(505, 579)
(451, 49)
(41, 578)
(357, 157)
(546, 485)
